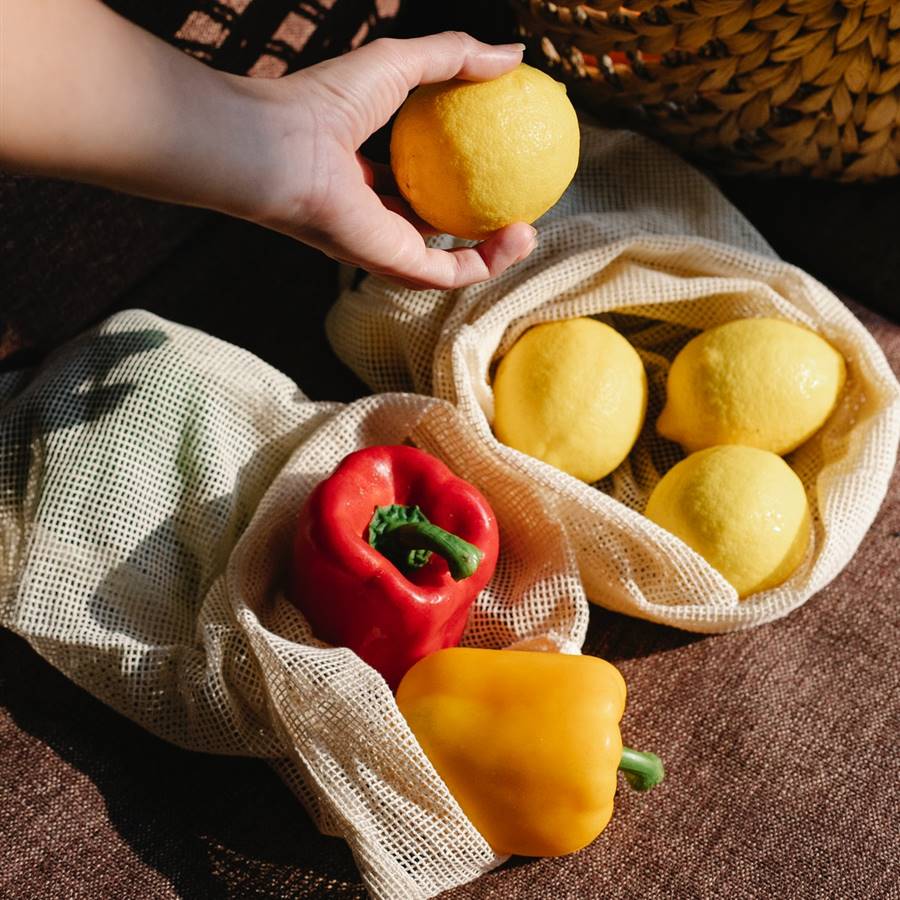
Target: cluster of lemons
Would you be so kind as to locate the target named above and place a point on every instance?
(473, 157)
(738, 397)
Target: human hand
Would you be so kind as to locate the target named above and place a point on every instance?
(144, 118)
(324, 193)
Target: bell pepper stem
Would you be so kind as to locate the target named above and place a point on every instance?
(643, 770)
(407, 538)
(462, 557)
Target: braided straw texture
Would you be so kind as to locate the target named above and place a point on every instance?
(646, 244)
(794, 87)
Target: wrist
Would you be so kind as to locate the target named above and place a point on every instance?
(237, 132)
(274, 164)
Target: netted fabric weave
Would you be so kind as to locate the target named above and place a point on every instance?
(150, 477)
(643, 242)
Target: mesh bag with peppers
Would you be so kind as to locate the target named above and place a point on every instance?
(155, 485)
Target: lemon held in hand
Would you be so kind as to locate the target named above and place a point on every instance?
(742, 509)
(472, 157)
(573, 394)
(765, 383)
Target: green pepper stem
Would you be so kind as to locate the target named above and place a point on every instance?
(643, 770)
(405, 536)
(462, 557)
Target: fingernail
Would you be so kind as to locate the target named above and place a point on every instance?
(528, 250)
(510, 48)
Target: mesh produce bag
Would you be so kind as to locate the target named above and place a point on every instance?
(150, 477)
(646, 244)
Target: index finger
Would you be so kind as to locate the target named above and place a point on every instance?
(395, 249)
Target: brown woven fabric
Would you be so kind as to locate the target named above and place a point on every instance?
(809, 223)
(67, 251)
(780, 742)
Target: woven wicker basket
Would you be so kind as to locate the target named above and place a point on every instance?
(787, 86)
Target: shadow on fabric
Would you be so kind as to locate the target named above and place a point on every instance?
(212, 825)
(615, 637)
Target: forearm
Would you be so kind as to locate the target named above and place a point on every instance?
(85, 94)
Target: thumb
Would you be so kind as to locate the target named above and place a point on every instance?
(388, 69)
(451, 54)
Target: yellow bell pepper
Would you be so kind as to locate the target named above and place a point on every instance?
(528, 743)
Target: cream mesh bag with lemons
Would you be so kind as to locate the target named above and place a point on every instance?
(647, 245)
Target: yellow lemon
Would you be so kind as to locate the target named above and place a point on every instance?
(742, 509)
(761, 382)
(573, 394)
(472, 157)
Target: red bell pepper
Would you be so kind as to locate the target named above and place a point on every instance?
(388, 555)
